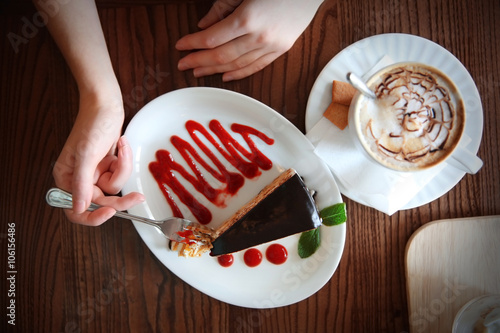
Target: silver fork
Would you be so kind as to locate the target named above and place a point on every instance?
(171, 227)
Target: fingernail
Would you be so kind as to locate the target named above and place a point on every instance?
(124, 141)
(202, 23)
(78, 206)
(124, 148)
(197, 73)
(109, 215)
(182, 66)
(227, 78)
(179, 45)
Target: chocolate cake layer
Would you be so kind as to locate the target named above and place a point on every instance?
(283, 208)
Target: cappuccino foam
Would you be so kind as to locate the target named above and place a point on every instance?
(416, 120)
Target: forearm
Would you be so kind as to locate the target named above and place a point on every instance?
(77, 31)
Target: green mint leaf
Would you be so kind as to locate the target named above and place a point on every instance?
(334, 215)
(309, 242)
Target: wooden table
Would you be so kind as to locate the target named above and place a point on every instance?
(72, 278)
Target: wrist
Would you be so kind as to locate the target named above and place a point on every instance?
(102, 86)
(103, 100)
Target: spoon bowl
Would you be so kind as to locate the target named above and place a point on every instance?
(360, 85)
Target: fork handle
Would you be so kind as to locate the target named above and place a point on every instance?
(62, 199)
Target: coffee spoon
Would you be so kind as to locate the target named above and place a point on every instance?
(360, 85)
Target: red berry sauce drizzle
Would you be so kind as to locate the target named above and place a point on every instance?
(247, 162)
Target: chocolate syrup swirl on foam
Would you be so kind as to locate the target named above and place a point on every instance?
(414, 118)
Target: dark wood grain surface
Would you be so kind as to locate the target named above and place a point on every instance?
(72, 278)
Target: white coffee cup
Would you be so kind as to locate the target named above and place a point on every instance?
(415, 123)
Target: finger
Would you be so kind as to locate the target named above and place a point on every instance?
(94, 218)
(236, 64)
(63, 173)
(104, 172)
(121, 203)
(216, 35)
(221, 55)
(252, 68)
(119, 168)
(109, 206)
(83, 179)
(218, 12)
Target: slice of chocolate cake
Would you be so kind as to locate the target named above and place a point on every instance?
(283, 208)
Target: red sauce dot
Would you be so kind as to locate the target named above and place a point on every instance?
(252, 257)
(276, 254)
(225, 260)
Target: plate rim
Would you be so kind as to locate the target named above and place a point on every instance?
(340, 231)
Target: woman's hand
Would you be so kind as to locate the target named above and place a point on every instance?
(96, 161)
(241, 37)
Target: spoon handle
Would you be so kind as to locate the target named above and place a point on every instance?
(360, 85)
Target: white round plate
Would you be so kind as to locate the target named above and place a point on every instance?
(363, 55)
(467, 317)
(264, 286)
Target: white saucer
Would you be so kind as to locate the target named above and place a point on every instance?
(361, 56)
(472, 311)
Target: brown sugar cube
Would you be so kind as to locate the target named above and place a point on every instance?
(337, 114)
(342, 92)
